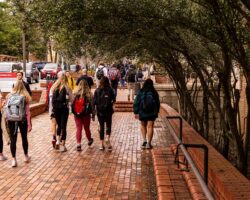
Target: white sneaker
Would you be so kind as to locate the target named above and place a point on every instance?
(63, 149)
(3, 158)
(57, 146)
(27, 159)
(13, 163)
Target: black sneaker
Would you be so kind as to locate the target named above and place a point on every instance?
(78, 148)
(144, 144)
(90, 141)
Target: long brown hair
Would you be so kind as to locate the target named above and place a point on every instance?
(83, 90)
(104, 83)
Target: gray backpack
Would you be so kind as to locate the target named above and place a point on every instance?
(15, 108)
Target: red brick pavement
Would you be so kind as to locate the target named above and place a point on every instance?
(124, 173)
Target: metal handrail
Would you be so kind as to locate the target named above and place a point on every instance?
(197, 174)
(180, 120)
(205, 163)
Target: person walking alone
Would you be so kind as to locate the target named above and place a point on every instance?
(61, 98)
(146, 109)
(82, 108)
(17, 114)
(103, 100)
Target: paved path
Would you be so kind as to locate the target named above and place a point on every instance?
(124, 173)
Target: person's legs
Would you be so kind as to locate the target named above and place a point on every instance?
(1, 142)
(78, 122)
(58, 116)
(108, 130)
(150, 127)
(13, 128)
(144, 131)
(53, 130)
(101, 123)
(23, 126)
(86, 125)
(129, 88)
(64, 121)
(133, 90)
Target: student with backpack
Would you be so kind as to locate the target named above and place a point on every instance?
(123, 74)
(103, 100)
(82, 108)
(101, 71)
(146, 109)
(61, 98)
(2, 157)
(17, 114)
(131, 79)
(114, 77)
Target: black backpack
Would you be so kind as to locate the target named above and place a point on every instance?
(123, 71)
(99, 73)
(148, 103)
(139, 74)
(105, 100)
(59, 100)
(131, 75)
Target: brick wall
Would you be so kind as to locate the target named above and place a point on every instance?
(37, 109)
(223, 177)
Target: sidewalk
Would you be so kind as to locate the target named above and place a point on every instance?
(124, 173)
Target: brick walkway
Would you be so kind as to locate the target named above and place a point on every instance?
(124, 173)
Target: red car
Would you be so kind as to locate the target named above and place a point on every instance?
(50, 70)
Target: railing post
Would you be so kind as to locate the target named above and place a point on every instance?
(180, 120)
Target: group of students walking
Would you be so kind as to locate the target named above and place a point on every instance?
(65, 96)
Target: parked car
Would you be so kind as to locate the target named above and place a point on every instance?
(75, 68)
(50, 70)
(10, 67)
(32, 73)
(40, 65)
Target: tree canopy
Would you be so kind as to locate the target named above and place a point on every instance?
(207, 37)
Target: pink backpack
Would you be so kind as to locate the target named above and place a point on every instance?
(113, 74)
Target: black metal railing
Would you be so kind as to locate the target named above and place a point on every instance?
(188, 160)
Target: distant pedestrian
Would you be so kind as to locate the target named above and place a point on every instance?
(123, 74)
(146, 109)
(103, 100)
(86, 78)
(17, 114)
(19, 76)
(114, 77)
(83, 110)
(131, 79)
(62, 96)
(70, 80)
(101, 71)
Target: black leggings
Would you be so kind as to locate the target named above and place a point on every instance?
(62, 116)
(1, 135)
(13, 127)
(102, 120)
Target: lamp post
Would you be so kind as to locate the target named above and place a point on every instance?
(24, 47)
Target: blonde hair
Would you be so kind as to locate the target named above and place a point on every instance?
(19, 88)
(83, 90)
(60, 83)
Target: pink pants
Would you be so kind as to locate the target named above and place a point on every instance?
(83, 121)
